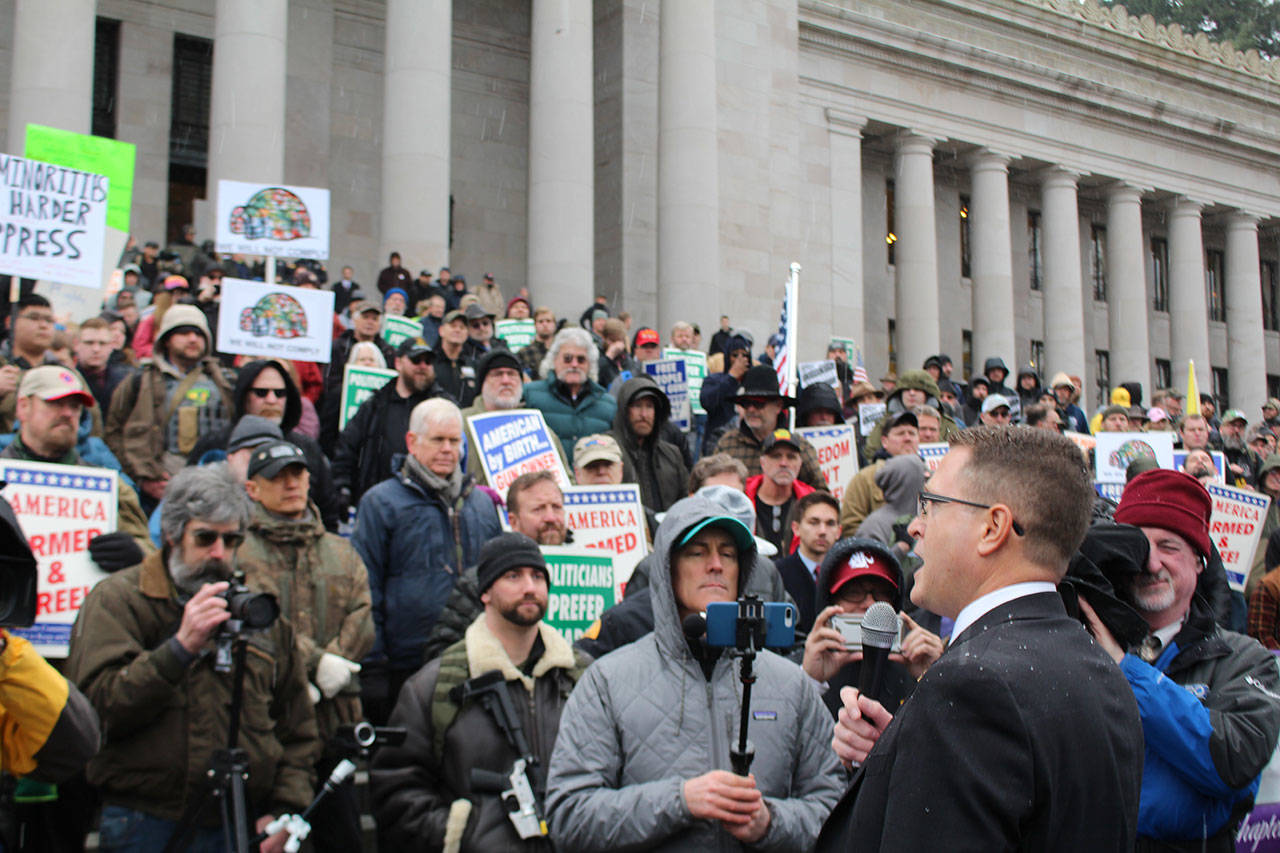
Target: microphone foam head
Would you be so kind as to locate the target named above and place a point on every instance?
(880, 625)
(694, 626)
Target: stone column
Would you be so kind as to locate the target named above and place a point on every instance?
(688, 190)
(1063, 284)
(916, 253)
(1188, 301)
(1246, 350)
(416, 129)
(847, 309)
(991, 258)
(52, 78)
(1127, 303)
(561, 160)
(247, 104)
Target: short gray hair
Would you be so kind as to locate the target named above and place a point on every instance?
(433, 411)
(580, 338)
(206, 492)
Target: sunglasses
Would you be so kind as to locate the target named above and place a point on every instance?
(263, 393)
(204, 537)
(422, 358)
(574, 359)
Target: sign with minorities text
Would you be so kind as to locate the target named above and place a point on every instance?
(671, 376)
(53, 222)
(359, 384)
(837, 448)
(609, 519)
(582, 588)
(513, 443)
(695, 372)
(275, 321)
(60, 508)
(266, 219)
(1235, 527)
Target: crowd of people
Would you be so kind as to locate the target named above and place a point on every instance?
(1071, 673)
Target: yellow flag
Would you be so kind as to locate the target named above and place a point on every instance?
(1193, 393)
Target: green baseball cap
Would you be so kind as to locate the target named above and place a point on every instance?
(741, 535)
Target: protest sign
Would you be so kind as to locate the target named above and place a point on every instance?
(275, 321)
(837, 449)
(850, 348)
(517, 333)
(513, 443)
(672, 378)
(1235, 527)
(100, 155)
(1219, 461)
(869, 414)
(609, 518)
(932, 453)
(359, 384)
(266, 219)
(1115, 450)
(1110, 491)
(1084, 441)
(60, 508)
(819, 373)
(695, 370)
(54, 222)
(395, 329)
(582, 587)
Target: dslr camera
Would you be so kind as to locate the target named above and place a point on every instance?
(248, 609)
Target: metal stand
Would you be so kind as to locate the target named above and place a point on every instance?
(740, 756)
(228, 771)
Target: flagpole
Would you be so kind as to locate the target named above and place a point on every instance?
(793, 300)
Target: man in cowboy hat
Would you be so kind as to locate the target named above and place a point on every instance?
(759, 406)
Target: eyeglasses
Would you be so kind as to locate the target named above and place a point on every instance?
(999, 415)
(263, 393)
(36, 318)
(926, 498)
(751, 403)
(856, 591)
(480, 324)
(573, 359)
(423, 358)
(204, 537)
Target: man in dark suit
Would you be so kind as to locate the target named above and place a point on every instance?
(815, 521)
(1021, 736)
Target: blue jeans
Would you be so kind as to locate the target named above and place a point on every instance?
(126, 830)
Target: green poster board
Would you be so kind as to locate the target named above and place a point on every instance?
(359, 384)
(582, 588)
(396, 329)
(695, 370)
(517, 333)
(95, 154)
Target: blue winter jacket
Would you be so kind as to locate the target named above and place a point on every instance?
(592, 412)
(410, 541)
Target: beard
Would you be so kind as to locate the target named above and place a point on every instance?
(518, 614)
(551, 533)
(1151, 594)
(189, 578)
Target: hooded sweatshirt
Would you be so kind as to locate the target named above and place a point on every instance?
(645, 718)
(657, 465)
(901, 480)
(322, 491)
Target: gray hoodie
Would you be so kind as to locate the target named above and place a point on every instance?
(644, 719)
(901, 479)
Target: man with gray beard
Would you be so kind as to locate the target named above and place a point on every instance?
(1243, 463)
(142, 650)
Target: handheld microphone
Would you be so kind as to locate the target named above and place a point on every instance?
(880, 625)
(694, 625)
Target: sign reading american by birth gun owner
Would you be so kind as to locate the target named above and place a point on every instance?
(582, 587)
(513, 443)
(60, 508)
(609, 518)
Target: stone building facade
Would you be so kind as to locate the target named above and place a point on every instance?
(1042, 180)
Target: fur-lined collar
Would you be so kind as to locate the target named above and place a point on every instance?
(485, 653)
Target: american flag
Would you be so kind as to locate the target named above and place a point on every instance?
(782, 352)
(860, 369)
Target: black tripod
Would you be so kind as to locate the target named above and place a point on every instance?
(750, 632)
(224, 781)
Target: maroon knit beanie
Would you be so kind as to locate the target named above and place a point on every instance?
(1170, 500)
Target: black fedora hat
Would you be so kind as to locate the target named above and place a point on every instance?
(761, 382)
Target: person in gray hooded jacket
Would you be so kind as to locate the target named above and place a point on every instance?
(643, 750)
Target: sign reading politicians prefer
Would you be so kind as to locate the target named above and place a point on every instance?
(359, 384)
(582, 588)
(60, 508)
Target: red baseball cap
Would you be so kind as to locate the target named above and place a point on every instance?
(647, 337)
(862, 564)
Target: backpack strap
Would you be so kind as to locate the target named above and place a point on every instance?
(454, 670)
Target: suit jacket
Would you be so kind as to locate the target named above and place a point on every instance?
(1023, 736)
(798, 580)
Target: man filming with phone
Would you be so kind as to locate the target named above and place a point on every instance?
(855, 574)
(145, 651)
(643, 755)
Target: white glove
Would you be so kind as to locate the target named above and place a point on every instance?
(313, 693)
(334, 673)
